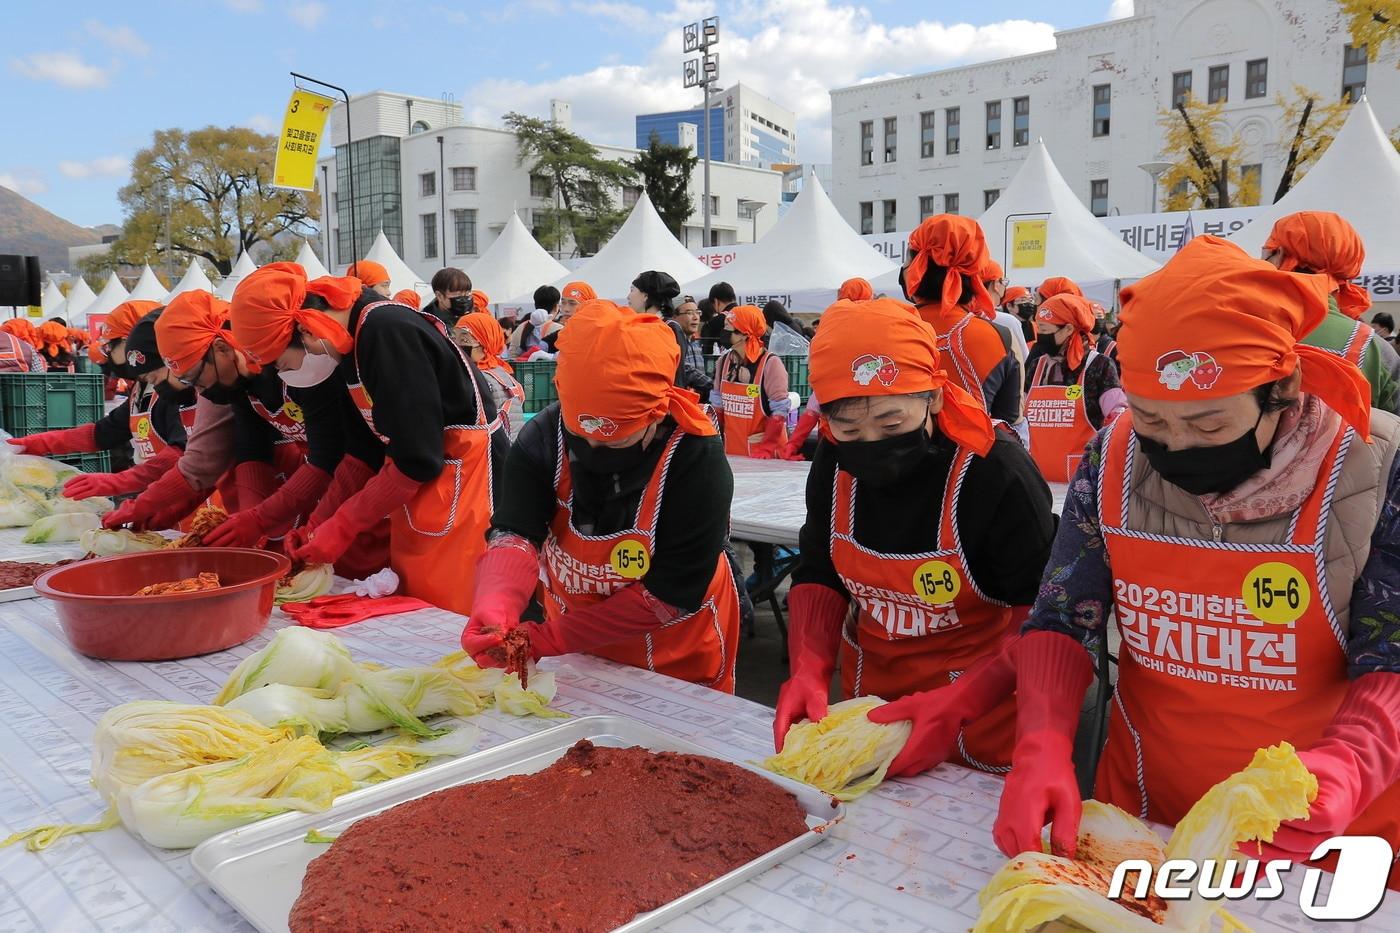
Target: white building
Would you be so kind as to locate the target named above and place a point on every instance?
(949, 141)
(442, 190)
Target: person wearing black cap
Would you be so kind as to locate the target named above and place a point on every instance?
(722, 298)
(655, 292)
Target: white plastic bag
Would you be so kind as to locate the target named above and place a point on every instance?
(787, 342)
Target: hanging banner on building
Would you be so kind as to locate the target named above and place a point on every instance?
(300, 141)
(1158, 236)
(1028, 244)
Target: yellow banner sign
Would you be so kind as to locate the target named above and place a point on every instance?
(1028, 244)
(36, 311)
(301, 140)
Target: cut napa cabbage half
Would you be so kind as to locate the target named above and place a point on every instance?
(845, 754)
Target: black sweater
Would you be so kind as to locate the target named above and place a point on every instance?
(114, 429)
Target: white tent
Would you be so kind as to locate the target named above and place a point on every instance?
(1074, 244)
(1357, 177)
(148, 287)
(113, 293)
(193, 280)
(400, 275)
(242, 267)
(80, 298)
(514, 265)
(52, 297)
(803, 260)
(306, 258)
(641, 244)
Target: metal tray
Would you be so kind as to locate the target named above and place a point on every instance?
(17, 593)
(259, 868)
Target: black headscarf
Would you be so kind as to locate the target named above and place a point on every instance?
(660, 288)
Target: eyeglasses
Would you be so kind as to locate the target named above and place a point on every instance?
(189, 380)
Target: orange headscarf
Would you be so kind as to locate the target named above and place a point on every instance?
(578, 291)
(615, 374)
(487, 331)
(188, 327)
(1214, 322)
(866, 348)
(750, 322)
(21, 328)
(1078, 313)
(54, 337)
(481, 301)
(1323, 243)
(409, 297)
(77, 337)
(957, 244)
(856, 289)
(268, 304)
(118, 325)
(1014, 293)
(1059, 285)
(368, 272)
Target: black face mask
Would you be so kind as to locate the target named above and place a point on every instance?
(461, 305)
(1204, 470)
(224, 395)
(885, 461)
(1045, 343)
(604, 460)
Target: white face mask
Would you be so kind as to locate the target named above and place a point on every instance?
(315, 369)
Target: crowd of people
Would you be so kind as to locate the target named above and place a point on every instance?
(1227, 441)
(52, 346)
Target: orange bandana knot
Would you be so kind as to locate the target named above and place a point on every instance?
(1323, 243)
(958, 245)
(267, 306)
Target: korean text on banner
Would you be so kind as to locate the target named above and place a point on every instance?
(300, 140)
(36, 311)
(1028, 244)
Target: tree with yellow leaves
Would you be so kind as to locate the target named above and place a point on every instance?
(1372, 23)
(1315, 124)
(1205, 161)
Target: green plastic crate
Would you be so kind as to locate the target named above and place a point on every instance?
(34, 402)
(798, 380)
(99, 462)
(537, 379)
(82, 363)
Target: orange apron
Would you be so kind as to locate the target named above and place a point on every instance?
(1243, 652)
(435, 539)
(145, 439)
(741, 407)
(920, 619)
(581, 570)
(12, 355)
(952, 347)
(1059, 422)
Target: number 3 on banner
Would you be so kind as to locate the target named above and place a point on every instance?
(630, 559)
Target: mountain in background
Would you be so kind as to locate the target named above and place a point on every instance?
(29, 230)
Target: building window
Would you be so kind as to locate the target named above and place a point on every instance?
(867, 217)
(953, 119)
(464, 231)
(631, 194)
(890, 223)
(540, 186)
(430, 236)
(335, 238)
(993, 124)
(1256, 78)
(928, 136)
(989, 197)
(1103, 101)
(1021, 121)
(950, 203)
(891, 138)
(1353, 72)
(867, 142)
(1218, 85)
(1181, 88)
(463, 179)
(926, 208)
(1098, 197)
(1251, 181)
(714, 205)
(427, 184)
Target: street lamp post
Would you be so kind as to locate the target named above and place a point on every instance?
(753, 207)
(703, 72)
(1156, 170)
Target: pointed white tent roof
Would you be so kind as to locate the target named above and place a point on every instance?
(242, 267)
(514, 265)
(400, 275)
(148, 287)
(113, 293)
(194, 280)
(80, 298)
(52, 297)
(1077, 244)
(1357, 177)
(306, 258)
(642, 243)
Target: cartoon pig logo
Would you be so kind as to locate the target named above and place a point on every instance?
(866, 369)
(595, 425)
(1207, 370)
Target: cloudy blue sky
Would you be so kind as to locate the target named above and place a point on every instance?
(86, 83)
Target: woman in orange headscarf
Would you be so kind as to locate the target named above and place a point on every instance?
(481, 336)
(56, 346)
(751, 388)
(926, 521)
(17, 351)
(620, 493)
(570, 297)
(1239, 523)
(108, 346)
(856, 289)
(1323, 244)
(1071, 388)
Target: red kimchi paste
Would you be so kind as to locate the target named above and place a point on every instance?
(587, 844)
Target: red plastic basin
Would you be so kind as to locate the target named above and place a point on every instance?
(102, 619)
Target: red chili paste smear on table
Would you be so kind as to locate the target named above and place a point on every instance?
(18, 573)
(598, 837)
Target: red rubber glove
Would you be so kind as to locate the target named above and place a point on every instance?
(154, 468)
(277, 510)
(325, 612)
(134, 479)
(388, 490)
(79, 440)
(161, 506)
(629, 612)
(506, 576)
(1052, 673)
(816, 614)
(767, 448)
(792, 450)
(1356, 759)
(350, 477)
(939, 715)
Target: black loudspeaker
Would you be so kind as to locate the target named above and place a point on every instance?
(19, 280)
